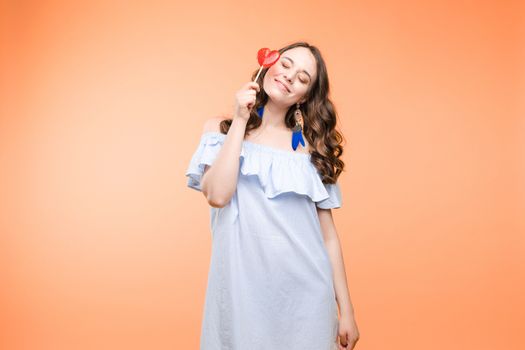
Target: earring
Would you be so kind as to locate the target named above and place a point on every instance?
(260, 111)
(297, 135)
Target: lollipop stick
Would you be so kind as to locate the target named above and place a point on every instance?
(259, 72)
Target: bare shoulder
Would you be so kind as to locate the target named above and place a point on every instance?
(212, 124)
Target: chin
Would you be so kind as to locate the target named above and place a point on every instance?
(278, 95)
(277, 98)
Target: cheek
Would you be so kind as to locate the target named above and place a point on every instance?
(275, 69)
(270, 73)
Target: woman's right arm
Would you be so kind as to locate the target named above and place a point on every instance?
(219, 181)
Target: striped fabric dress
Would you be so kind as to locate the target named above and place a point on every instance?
(270, 283)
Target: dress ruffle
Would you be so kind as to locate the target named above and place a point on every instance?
(278, 171)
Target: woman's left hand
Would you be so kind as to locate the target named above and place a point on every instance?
(348, 333)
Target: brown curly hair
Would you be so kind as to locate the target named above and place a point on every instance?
(319, 117)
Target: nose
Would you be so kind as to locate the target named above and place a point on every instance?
(287, 77)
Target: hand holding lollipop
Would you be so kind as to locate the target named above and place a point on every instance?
(246, 96)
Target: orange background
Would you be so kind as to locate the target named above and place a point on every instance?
(102, 245)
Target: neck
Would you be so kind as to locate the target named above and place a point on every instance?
(273, 117)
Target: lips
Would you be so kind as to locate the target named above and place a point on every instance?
(284, 85)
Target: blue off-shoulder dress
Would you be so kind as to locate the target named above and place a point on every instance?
(270, 283)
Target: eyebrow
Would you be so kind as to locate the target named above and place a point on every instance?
(303, 69)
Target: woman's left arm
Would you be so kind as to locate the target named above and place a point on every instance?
(333, 248)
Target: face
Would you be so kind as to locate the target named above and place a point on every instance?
(287, 81)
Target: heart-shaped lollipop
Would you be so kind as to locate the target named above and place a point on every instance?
(266, 58)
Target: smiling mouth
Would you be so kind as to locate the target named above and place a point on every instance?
(284, 86)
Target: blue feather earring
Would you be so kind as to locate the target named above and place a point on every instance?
(297, 136)
(260, 111)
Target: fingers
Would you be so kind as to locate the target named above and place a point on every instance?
(345, 344)
(245, 99)
(252, 86)
(343, 341)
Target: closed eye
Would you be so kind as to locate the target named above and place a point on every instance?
(301, 80)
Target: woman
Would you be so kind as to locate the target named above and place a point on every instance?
(276, 277)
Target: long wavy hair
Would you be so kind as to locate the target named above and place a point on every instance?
(319, 119)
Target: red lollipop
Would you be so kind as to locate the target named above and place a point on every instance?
(266, 58)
